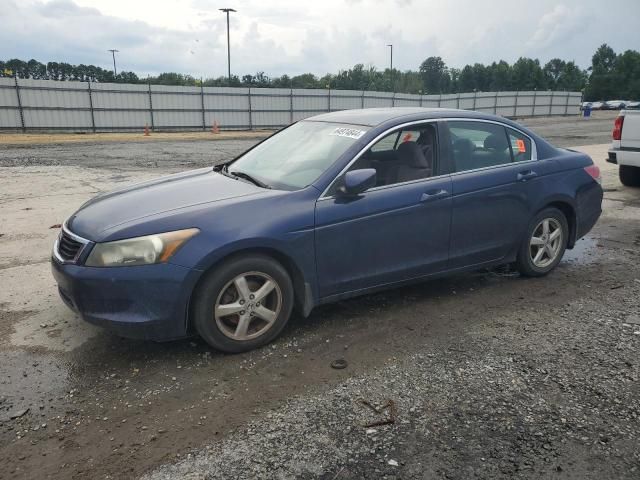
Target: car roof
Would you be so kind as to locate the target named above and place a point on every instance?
(372, 117)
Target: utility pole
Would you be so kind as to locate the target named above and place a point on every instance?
(391, 68)
(113, 53)
(227, 11)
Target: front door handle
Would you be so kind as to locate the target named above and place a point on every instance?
(526, 175)
(433, 195)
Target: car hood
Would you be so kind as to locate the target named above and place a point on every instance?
(155, 197)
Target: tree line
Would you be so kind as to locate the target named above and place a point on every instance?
(610, 76)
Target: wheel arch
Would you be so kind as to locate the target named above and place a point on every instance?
(303, 298)
(569, 211)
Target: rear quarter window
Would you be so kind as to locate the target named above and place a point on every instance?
(520, 145)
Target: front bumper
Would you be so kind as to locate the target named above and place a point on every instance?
(148, 302)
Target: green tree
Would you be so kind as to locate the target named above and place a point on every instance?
(572, 78)
(435, 76)
(528, 75)
(604, 79)
(499, 76)
(627, 73)
(604, 60)
(553, 71)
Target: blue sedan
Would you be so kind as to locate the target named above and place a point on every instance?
(334, 206)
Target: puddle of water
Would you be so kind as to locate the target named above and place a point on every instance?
(584, 252)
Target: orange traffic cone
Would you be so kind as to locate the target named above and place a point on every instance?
(215, 128)
(146, 130)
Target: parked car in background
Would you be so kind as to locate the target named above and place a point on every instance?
(597, 105)
(625, 148)
(334, 206)
(615, 104)
(633, 105)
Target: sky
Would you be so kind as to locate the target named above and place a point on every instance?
(293, 37)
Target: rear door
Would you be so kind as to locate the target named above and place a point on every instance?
(492, 173)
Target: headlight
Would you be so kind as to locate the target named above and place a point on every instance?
(140, 250)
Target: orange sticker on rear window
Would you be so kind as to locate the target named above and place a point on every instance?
(521, 146)
(407, 137)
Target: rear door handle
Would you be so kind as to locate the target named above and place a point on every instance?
(433, 195)
(526, 175)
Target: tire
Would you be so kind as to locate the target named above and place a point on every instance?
(234, 322)
(629, 175)
(552, 248)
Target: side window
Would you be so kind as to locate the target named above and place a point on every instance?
(386, 143)
(520, 145)
(402, 156)
(478, 145)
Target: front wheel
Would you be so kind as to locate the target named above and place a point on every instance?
(244, 303)
(545, 243)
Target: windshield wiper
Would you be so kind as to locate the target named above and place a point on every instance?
(253, 180)
(223, 169)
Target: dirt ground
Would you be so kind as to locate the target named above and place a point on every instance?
(490, 375)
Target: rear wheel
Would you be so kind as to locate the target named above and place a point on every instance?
(629, 175)
(243, 304)
(545, 243)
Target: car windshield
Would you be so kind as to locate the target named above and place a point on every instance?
(298, 155)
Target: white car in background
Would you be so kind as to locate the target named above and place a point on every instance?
(615, 104)
(625, 148)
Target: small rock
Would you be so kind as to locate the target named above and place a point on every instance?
(633, 319)
(393, 463)
(18, 414)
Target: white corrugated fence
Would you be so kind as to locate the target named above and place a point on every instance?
(30, 105)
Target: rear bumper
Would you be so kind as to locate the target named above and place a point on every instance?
(147, 302)
(589, 208)
(624, 157)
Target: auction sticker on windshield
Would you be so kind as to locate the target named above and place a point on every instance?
(348, 132)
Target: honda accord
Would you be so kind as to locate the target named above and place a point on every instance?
(337, 205)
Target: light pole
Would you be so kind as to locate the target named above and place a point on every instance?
(391, 51)
(113, 53)
(227, 10)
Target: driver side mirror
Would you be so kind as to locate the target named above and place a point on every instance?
(357, 181)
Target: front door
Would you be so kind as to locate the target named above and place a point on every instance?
(393, 232)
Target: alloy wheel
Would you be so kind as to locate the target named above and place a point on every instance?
(546, 242)
(248, 306)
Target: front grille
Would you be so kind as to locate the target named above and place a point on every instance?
(68, 248)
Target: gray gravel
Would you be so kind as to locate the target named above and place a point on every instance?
(492, 376)
(556, 403)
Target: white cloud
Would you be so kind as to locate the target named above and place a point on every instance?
(289, 36)
(556, 26)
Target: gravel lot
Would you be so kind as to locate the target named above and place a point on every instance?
(489, 375)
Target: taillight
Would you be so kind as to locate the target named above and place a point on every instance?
(617, 127)
(594, 171)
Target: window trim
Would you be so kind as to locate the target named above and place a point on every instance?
(534, 152)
